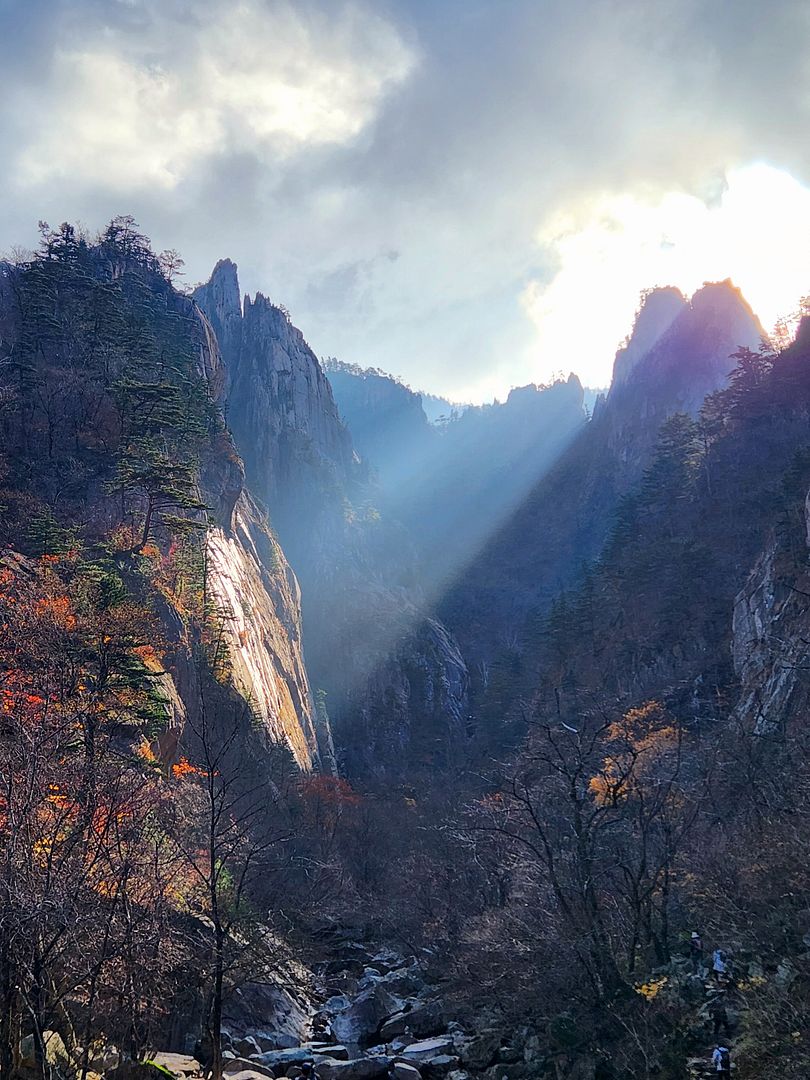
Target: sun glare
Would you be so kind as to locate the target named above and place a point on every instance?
(757, 234)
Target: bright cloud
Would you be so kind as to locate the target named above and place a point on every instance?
(145, 105)
(758, 234)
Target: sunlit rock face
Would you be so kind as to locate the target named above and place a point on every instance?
(257, 596)
(255, 589)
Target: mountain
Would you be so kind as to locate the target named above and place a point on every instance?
(393, 678)
(114, 448)
(452, 486)
(678, 353)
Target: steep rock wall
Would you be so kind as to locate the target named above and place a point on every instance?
(253, 585)
(364, 620)
(771, 632)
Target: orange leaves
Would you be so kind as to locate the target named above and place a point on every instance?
(184, 769)
(58, 609)
(642, 741)
(330, 790)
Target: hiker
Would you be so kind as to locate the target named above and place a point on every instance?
(204, 1052)
(719, 966)
(696, 952)
(717, 1011)
(721, 1059)
(308, 1071)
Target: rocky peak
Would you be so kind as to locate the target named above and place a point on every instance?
(280, 404)
(658, 311)
(688, 361)
(221, 302)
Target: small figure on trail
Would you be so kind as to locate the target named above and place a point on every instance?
(717, 1011)
(696, 952)
(719, 965)
(204, 1052)
(308, 1071)
(721, 1059)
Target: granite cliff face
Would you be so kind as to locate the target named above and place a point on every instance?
(279, 402)
(365, 626)
(771, 630)
(249, 577)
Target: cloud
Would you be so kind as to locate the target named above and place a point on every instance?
(309, 140)
(146, 103)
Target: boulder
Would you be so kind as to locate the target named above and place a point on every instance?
(387, 960)
(367, 1068)
(439, 1066)
(334, 1051)
(427, 1049)
(178, 1064)
(358, 1024)
(334, 1004)
(786, 974)
(422, 1020)
(502, 1071)
(401, 1070)
(247, 1074)
(479, 1052)
(508, 1055)
(247, 1047)
(238, 1065)
(280, 1059)
(394, 1026)
(56, 1053)
(101, 1057)
(369, 977)
(404, 981)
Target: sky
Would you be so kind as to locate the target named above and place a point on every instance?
(470, 194)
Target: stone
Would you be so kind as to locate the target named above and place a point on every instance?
(424, 1019)
(401, 1070)
(395, 1025)
(532, 1049)
(479, 1052)
(235, 1065)
(369, 977)
(502, 1071)
(367, 1068)
(177, 1064)
(247, 1074)
(280, 1059)
(508, 1055)
(246, 1047)
(786, 974)
(427, 1049)
(359, 1023)
(336, 1003)
(439, 1066)
(335, 1051)
(55, 1050)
